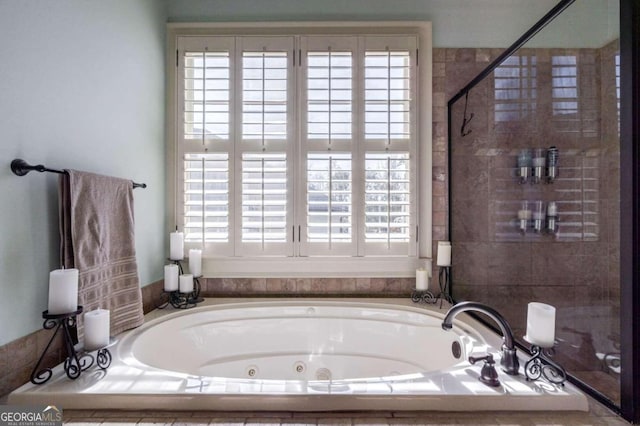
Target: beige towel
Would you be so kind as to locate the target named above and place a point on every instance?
(97, 238)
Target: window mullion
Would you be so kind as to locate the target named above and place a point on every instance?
(388, 98)
(360, 149)
(204, 199)
(237, 149)
(330, 184)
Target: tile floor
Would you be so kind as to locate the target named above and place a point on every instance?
(597, 416)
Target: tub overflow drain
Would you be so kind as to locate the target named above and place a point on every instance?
(456, 349)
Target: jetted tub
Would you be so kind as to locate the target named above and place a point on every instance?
(301, 355)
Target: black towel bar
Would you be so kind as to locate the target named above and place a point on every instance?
(21, 168)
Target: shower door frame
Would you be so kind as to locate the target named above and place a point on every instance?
(630, 209)
(629, 197)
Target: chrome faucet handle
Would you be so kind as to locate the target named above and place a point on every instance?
(488, 374)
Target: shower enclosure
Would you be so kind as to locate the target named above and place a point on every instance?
(535, 188)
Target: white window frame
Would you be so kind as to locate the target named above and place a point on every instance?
(315, 266)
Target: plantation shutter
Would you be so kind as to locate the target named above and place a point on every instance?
(328, 148)
(311, 159)
(265, 146)
(389, 146)
(205, 137)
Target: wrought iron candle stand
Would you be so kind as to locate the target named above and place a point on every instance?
(426, 296)
(540, 365)
(77, 359)
(444, 279)
(180, 300)
(423, 296)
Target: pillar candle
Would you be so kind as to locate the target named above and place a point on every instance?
(176, 246)
(541, 324)
(195, 262)
(96, 329)
(63, 291)
(186, 283)
(422, 279)
(171, 273)
(444, 253)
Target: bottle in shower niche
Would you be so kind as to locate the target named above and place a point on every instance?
(539, 161)
(524, 163)
(552, 218)
(552, 164)
(538, 215)
(524, 217)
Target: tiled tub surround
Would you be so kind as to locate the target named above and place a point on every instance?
(577, 269)
(239, 354)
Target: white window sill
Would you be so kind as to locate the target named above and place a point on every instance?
(311, 267)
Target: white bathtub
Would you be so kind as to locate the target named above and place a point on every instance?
(301, 355)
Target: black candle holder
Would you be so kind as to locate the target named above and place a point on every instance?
(180, 300)
(444, 279)
(197, 289)
(426, 296)
(540, 365)
(423, 296)
(78, 360)
(179, 263)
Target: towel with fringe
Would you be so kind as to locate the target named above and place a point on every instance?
(97, 238)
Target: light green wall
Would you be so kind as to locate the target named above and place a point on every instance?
(81, 87)
(456, 23)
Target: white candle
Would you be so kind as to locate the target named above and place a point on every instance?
(422, 279)
(195, 262)
(171, 273)
(444, 253)
(186, 283)
(96, 329)
(176, 246)
(63, 291)
(541, 324)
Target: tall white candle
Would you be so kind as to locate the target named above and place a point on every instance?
(195, 262)
(63, 291)
(96, 329)
(176, 246)
(171, 273)
(186, 283)
(541, 324)
(422, 279)
(444, 253)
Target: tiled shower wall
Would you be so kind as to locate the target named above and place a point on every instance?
(576, 269)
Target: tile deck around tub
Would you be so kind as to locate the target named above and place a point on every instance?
(155, 389)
